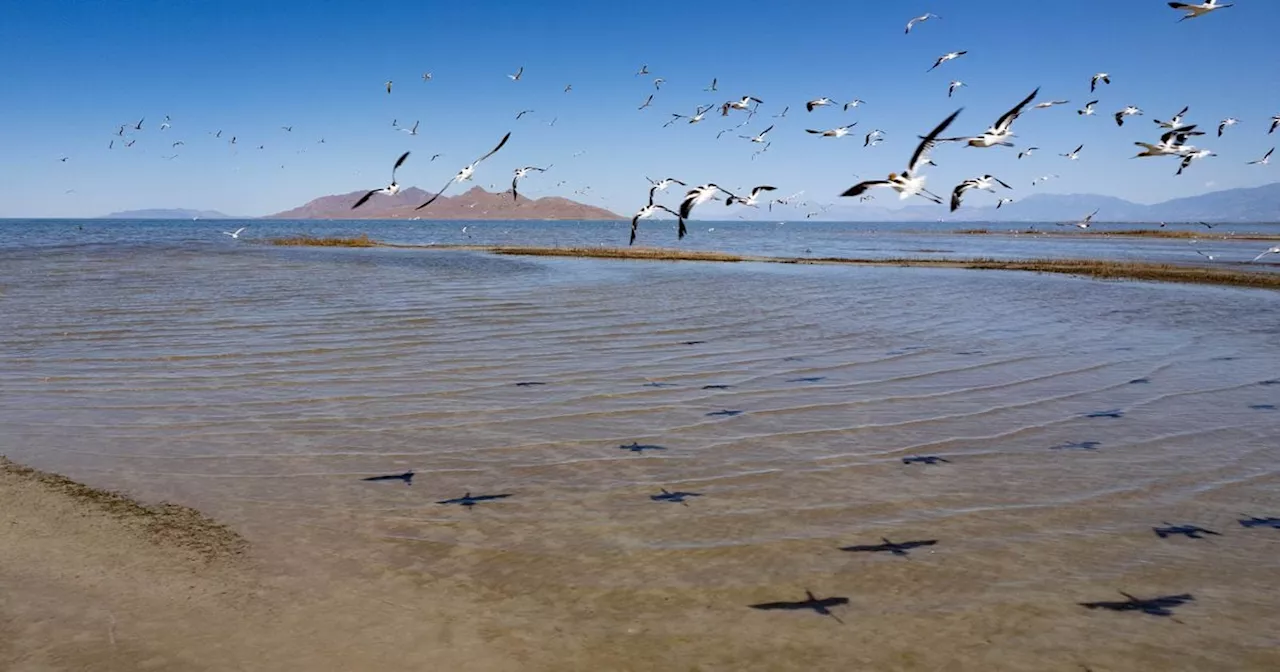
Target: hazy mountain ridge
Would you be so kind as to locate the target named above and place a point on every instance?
(474, 204)
(168, 213)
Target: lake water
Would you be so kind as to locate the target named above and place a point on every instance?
(261, 384)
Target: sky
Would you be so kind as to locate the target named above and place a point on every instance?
(78, 70)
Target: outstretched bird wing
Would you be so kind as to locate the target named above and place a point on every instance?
(927, 143)
(1004, 122)
(364, 198)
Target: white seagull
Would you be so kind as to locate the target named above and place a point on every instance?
(661, 185)
(1174, 122)
(1001, 131)
(955, 84)
(391, 189)
(1050, 103)
(696, 196)
(1088, 110)
(853, 103)
(644, 70)
(986, 183)
(1190, 156)
(875, 137)
(1043, 178)
(426, 76)
(1275, 121)
(1027, 152)
(236, 234)
(1274, 250)
(1002, 201)
(1172, 143)
(516, 77)
(759, 137)
(410, 131)
(648, 211)
(657, 83)
(947, 57)
(697, 115)
(834, 132)
(388, 85)
(467, 172)
(749, 201)
(909, 183)
(783, 113)
(920, 19)
(1084, 223)
(647, 102)
(744, 104)
(713, 85)
(1073, 154)
(1222, 125)
(1193, 11)
(818, 102)
(521, 172)
(1265, 160)
(1100, 77)
(1126, 112)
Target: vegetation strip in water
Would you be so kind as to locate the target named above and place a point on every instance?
(1095, 268)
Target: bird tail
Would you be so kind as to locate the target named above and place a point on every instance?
(681, 230)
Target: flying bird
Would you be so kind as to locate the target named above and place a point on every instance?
(1088, 219)
(1175, 121)
(1191, 156)
(1049, 103)
(651, 209)
(1044, 178)
(426, 76)
(1265, 160)
(521, 172)
(1001, 131)
(644, 70)
(391, 189)
(236, 234)
(749, 201)
(875, 137)
(695, 197)
(744, 104)
(909, 183)
(985, 183)
(647, 102)
(1275, 121)
(1000, 203)
(516, 77)
(834, 132)
(698, 114)
(1100, 77)
(1229, 121)
(1027, 152)
(466, 173)
(1172, 143)
(661, 185)
(818, 102)
(657, 83)
(522, 113)
(947, 57)
(919, 19)
(1088, 110)
(758, 138)
(897, 548)
(410, 131)
(783, 113)
(388, 86)
(287, 129)
(1274, 250)
(853, 103)
(1128, 111)
(1194, 11)
(955, 84)
(1073, 154)
(713, 85)
(138, 126)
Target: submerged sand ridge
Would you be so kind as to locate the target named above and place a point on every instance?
(265, 401)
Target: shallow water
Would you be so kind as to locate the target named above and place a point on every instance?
(261, 384)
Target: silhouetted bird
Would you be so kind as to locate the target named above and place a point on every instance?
(470, 500)
(924, 459)
(1156, 606)
(1190, 531)
(693, 343)
(1077, 445)
(1117, 413)
(407, 477)
(1254, 521)
(811, 602)
(716, 387)
(901, 548)
(810, 379)
(674, 496)
(528, 383)
(640, 447)
(725, 413)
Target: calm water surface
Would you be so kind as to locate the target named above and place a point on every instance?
(261, 384)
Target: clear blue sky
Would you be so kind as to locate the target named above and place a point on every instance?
(76, 70)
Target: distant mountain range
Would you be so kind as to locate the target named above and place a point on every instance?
(167, 213)
(474, 204)
(1253, 204)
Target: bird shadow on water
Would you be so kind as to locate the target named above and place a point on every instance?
(1189, 531)
(529, 383)
(1254, 521)
(811, 602)
(1077, 445)
(1114, 413)
(924, 459)
(677, 496)
(1273, 381)
(1154, 606)
(1140, 381)
(901, 548)
(469, 500)
(716, 387)
(640, 447)
(808, 379)
(407, 477)
(1263, 407)
(725, 413)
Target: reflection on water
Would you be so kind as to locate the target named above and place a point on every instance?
(803, 406)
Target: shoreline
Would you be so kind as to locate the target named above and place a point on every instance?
(1093, 268)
